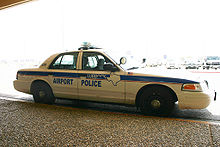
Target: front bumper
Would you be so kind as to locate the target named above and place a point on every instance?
(196, 100)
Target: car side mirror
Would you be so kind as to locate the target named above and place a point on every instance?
(123, 60)
(110, 67)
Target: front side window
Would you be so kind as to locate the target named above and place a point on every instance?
(65, 61)
(94, 61)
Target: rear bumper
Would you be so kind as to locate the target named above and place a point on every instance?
(22, 86)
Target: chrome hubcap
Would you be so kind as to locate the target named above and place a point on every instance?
(155, 104)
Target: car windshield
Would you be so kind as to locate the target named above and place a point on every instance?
(129, 65)
(114, 57)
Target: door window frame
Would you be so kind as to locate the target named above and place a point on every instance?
(61, 56)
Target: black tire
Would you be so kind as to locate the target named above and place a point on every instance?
(157, 100)
(42, 93)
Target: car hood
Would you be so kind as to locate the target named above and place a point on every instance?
(181, 76)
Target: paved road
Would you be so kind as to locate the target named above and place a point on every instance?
(210, 114)
(31, 124)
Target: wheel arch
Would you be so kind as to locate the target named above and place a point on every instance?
(137, 101)
(39, 80)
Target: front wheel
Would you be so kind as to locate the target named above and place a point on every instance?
(157, 100)
(42, 93)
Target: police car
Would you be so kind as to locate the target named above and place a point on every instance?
(90, 74)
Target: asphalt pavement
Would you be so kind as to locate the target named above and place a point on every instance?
(31, 124)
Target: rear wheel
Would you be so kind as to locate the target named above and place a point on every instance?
(42, 93)
(157, 100)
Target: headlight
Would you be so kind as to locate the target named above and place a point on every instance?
(192, 87)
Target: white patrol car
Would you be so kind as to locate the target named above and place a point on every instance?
(90, 74)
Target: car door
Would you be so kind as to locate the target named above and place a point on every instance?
(97, 82)
(63, 75)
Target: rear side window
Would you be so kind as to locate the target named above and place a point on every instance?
(65, 62)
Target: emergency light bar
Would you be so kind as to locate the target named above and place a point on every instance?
(87, 46)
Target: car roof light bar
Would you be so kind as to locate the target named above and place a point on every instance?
(87, 46)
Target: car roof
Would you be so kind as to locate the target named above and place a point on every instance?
(89, 50)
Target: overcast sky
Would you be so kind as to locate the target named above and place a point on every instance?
(138, 27)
